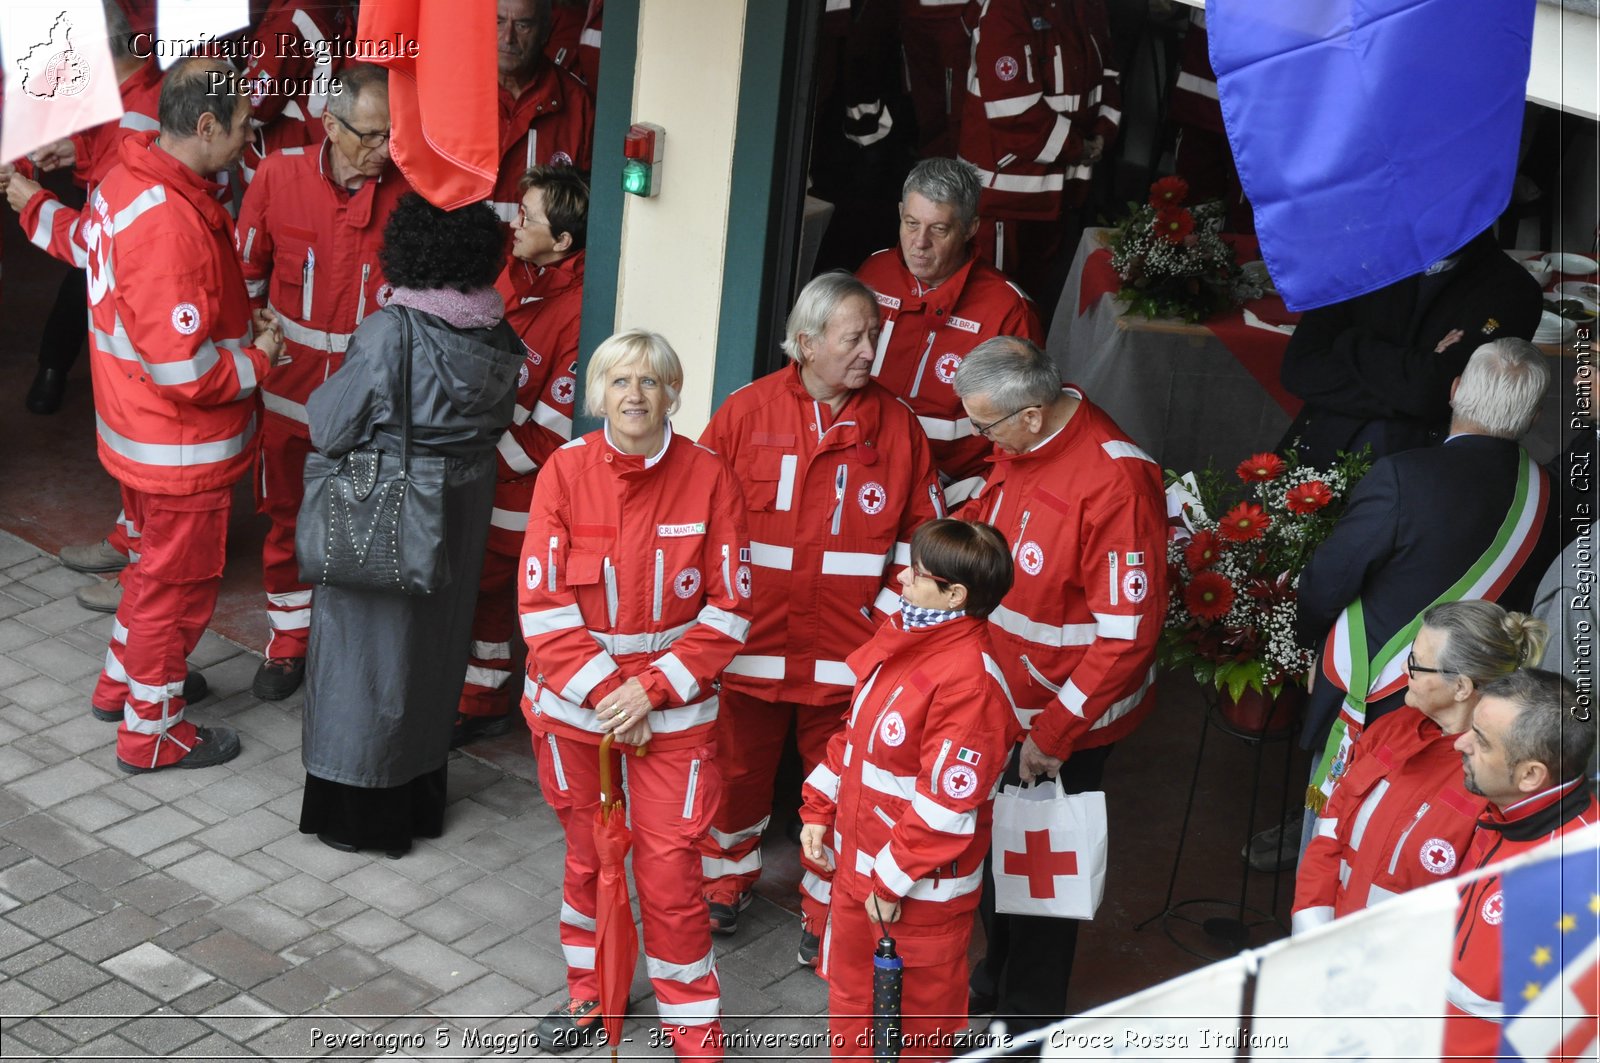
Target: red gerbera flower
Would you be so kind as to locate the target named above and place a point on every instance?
(1209, 596)
(1260, 468)
(1172, 224)
(1308, 497)
(1201, 551)
(1244, 522)
(1168, 192)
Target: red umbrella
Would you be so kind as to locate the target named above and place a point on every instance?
(616, 945)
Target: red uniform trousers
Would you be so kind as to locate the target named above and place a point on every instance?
(488, 690)
(932, 942)
(280, 486)
(750, 737)
(168, 595)
(121, 537)
(670, 794)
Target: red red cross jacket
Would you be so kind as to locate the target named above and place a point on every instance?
(925, 334)
(544, 305)
(574, 43)
(290, 70)
(628, 570)
(310, 253)
(169, 338)
(908, 786)
(1085, 516)
(550, 123)
(1398, 819)
(1473, 1002)
(833, 500)
(96, 148)
(1194, 95)
(1042, 80)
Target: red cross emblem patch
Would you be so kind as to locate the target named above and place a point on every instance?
(531, 572)
(1031, 557)
(1135, 584)
(1438, 856)
(1005, 68)
(893, 729)
(741, 580)
(563, 389)
(945, 368)
(1494, 908)
(959, 781)
(687, 583)
(871, 497)
(186, 319)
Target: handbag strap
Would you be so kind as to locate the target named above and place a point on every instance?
(405, 378)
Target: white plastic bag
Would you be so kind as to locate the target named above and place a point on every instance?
(1049, 851)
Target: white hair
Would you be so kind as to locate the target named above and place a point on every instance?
(1501, 387)
(625, 348)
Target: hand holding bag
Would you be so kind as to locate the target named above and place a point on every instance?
(373, 520)
(1049, 851)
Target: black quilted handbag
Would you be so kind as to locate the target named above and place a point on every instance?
(374, 520)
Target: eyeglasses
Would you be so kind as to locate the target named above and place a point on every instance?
(524, 218)
(375, 139)
(942, 584)
(985, 429)
(1412, 668)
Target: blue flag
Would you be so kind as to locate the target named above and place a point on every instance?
(1372, 137)
(1550, 959)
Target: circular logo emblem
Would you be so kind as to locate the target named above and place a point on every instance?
(531, 572)
(945, 368)
(1005, 68)
(1494, 908)
(186, 319)
(1438, 856)
(259, 89)
(560, 158)
(65, 74)
(741, 580)
(871, 497)
(1031, 557)
(522, 376)
(385, 293)
(1135, 584)
(563, 389)
(959, 781)
(687, 583)
(892, 730)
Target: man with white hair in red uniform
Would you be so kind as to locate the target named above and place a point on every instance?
(309, 233)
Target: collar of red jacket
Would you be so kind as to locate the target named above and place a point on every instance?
(545, 94)
(1066, 439)
(624, 463)
(1542, 813)
(146, 160)
(520, 279)
(946, 293)
(892, 638)
(861, 408)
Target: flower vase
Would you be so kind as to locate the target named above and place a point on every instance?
(1256, 712)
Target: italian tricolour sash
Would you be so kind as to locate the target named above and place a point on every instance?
(1367, 678)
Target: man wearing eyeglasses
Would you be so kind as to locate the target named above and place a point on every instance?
(546, 117)
(1083, 511)
(309, 232)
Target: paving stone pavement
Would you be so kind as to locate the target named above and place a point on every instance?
(181, 914)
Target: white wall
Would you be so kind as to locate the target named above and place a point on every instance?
(673, 245)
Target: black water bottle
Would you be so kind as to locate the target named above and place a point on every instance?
(887, 972)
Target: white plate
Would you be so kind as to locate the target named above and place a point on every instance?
(1571, 263)
(1553, 328)
(1257, 272)
(1586, 292)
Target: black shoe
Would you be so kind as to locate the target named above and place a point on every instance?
(195, 687)
(49, 388)
(278, 677)
(1276, 848)
(981, 999)
(575, 1024)
(334, 843)
(810, 945)
(725, 917)
(212, 746)
(472, 728)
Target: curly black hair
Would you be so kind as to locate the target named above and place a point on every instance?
(425, 247)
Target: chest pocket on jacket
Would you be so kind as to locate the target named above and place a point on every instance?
(769, 473)
(294, 271)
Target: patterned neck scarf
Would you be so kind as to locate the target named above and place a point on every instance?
(915, 616)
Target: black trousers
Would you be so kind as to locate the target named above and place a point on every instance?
(1029, 959)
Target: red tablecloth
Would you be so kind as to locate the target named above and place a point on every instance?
(1258, 350)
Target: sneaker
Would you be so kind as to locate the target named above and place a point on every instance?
(810, 945)
(725, 917)
(212, 746)
(195, 687)
(471, 728)
(102, 596)
(278, 677)
(575, 1024)
(93, 557)
(1276, 848)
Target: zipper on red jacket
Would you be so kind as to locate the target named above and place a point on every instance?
(611, 593)
(922, 366)
(655, 602)
(1394, 857)
(1022, 529)
(877, 723)
(841, 479)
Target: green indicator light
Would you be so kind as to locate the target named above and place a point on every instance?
(636, 177)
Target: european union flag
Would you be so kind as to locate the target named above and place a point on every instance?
(1550, 959)
(1373, 137)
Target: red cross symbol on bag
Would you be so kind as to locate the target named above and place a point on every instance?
(1039, 863)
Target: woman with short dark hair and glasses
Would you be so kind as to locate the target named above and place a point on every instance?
(906, 792)
(1400, 814)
